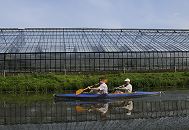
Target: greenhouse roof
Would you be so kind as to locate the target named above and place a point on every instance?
(31, 40)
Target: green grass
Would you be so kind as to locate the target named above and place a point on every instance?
(45, 83)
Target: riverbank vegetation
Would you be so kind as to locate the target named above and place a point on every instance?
(51, 82)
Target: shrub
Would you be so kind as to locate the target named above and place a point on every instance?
(58, 83)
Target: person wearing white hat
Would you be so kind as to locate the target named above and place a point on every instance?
(129, 107)
(125, 88)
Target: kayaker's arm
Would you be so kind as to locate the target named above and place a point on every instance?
(90, 87)
(120, 87)
(98, 84)
(94, 88)
(123, 88)
(97, 89)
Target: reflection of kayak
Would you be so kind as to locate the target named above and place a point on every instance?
(114, 103)
(74, 101)
(105, 96)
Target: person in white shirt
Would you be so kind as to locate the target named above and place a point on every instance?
(102, 89)
(126, 88)
(129, 107)
(102, 109)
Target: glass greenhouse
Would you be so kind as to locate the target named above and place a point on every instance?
(93, 49)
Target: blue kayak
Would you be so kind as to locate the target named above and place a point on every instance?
(105, 96)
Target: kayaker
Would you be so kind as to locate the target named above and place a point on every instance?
(125, 88)
(102, 89)
(129, 107)
(102, 109)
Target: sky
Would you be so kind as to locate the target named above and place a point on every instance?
(157, 14)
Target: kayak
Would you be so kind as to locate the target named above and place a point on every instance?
(105, 96)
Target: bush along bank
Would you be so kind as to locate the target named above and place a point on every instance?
(45, 83)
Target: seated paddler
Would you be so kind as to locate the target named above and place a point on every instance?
(125, 88)
(102, 88)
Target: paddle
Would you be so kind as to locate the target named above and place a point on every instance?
(114, 89)
(118, 88)
(80, 109)
(82, 90)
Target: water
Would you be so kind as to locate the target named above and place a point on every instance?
(170, 110)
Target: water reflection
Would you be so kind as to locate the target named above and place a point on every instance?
(109, 114)
(103, 108)
(41, 112)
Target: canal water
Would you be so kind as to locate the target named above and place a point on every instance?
(169, 111)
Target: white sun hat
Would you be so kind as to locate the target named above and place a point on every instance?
(127, 80)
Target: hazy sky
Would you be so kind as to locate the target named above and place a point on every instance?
(95, 13)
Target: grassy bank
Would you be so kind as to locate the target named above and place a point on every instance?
(58, 83)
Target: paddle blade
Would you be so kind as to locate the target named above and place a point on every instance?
(79, 91)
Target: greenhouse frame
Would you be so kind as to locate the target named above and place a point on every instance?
(92, 50)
